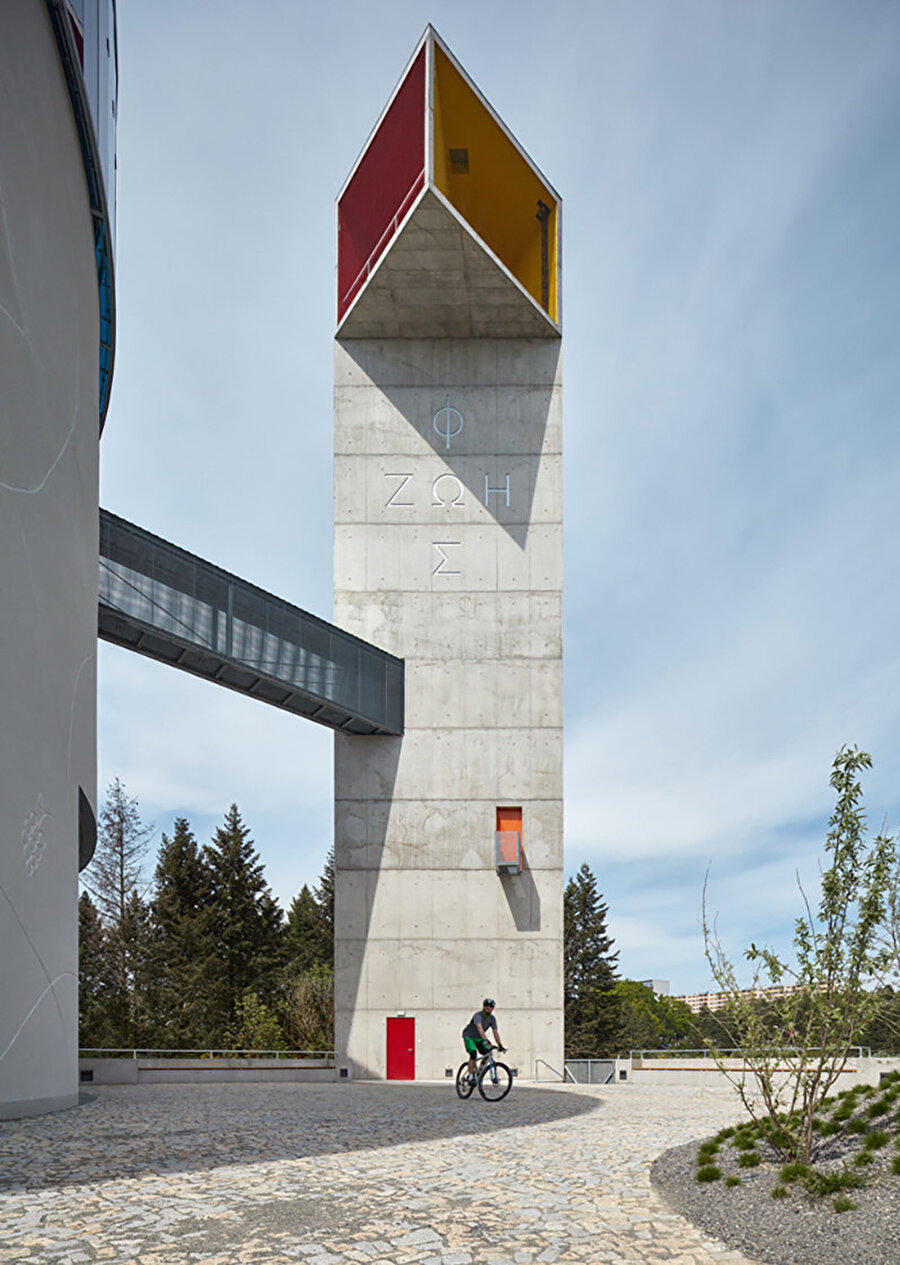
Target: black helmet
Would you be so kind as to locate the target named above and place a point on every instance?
(488, 1001)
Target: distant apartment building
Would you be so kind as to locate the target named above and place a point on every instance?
(718, 1001)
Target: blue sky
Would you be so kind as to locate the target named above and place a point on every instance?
(731, 182)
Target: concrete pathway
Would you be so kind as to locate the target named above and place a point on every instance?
(374, 1174)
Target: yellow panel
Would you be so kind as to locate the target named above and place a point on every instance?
(499, 194)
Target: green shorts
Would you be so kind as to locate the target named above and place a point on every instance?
(475, 1045)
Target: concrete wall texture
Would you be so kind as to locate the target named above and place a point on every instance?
(48, 559)
(448, 552)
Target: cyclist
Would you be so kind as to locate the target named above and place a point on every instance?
(474, 1034)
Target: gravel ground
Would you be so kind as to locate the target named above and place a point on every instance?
(791, 1231)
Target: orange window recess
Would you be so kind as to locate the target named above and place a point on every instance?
(508, 841)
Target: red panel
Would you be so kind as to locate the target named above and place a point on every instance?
(390, 174)
(401, 1049)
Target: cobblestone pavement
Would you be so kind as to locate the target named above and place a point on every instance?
(374, 1174)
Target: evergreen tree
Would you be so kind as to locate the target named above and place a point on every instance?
(324, 895)
(307, 938)
(246, 922)
(113, 878)
(136, 935)
(183, 952)
(591, 1008)
(122, 842)
(99, 1001)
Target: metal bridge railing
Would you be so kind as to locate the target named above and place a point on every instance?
(173, 606)
(118, 1052)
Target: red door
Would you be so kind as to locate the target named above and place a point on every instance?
(401, 1049)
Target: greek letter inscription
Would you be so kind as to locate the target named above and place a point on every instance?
(443, 567)
(392, 501)
(454, 491)
(448, 422)
(504, 491)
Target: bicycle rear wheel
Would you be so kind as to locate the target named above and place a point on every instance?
(495, 1082)
(464, 1086)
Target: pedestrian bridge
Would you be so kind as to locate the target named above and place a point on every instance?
(172, 606)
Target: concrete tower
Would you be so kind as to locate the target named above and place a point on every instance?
(448, 553)
(56, 348)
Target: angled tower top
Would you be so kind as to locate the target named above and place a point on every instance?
(445, 227)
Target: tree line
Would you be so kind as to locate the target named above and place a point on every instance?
(607, 1016)
(205, 958)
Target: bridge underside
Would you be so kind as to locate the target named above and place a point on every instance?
(172, 606)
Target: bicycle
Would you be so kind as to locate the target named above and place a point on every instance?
(494, 1079)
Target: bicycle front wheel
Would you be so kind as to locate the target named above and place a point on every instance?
(495, 1082)
(464, 1086)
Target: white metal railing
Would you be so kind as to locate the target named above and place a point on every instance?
(560, 1075)
(583, 1071)
(855, 1051)
(119, 1052)
(387, 234)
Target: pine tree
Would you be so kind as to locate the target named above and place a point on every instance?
(308, 940)
(122, 842)
(100, 1004)
(246, 922)
(183, 950)
(589, 969)
(324, 895)
(137, 936)
(113, 878)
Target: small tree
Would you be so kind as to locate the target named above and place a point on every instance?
(255, 1026)
(309, 1010)
(797, 1045)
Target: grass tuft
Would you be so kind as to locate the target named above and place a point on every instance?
(794, 1171)
(709, 1173)
(875, 1140)
(832, 1183)
(749, 1159)
(843, 1204)
(879, 1108)
(736, 1181)
(779, 1192)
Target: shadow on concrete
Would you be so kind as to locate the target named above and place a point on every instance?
(143, 1131)
(360, 830)
(523, 898)
(491, 429)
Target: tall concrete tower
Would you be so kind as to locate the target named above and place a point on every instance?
(448, 553)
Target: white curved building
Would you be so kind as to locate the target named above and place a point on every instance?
(57, 99)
